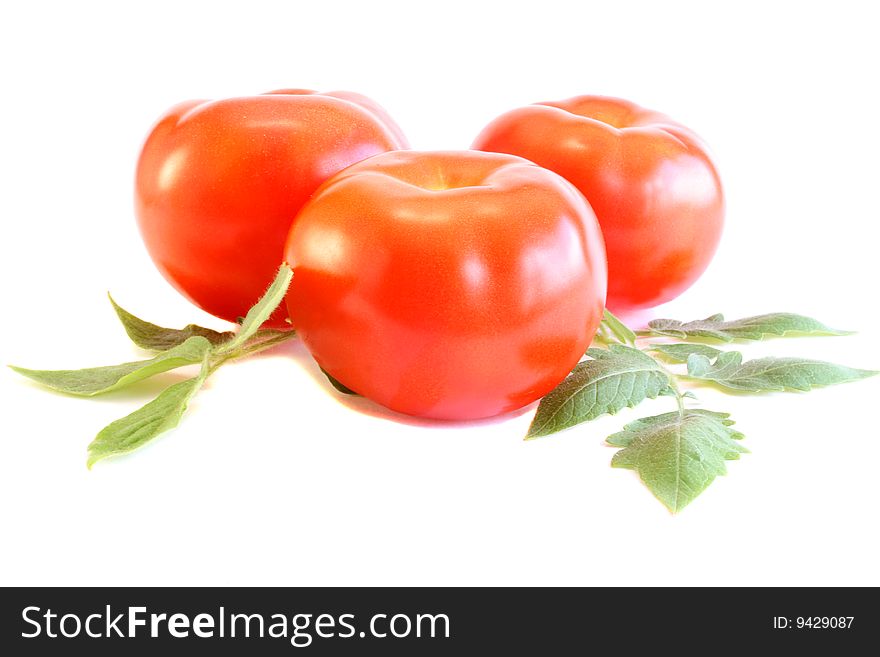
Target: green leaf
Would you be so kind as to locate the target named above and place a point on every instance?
(677, 455)
(613, 378)
(748, 328)
(157, 338)
(679, 352)
(96, 380)
(620, 330)
(156, 417)
(345, 390)
(260, 311)
(763, 374)
(669, 391)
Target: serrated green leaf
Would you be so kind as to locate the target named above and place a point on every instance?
(97, 380)
(748, 328)
(612, 379)
(261, 310)
(631, 430)
(677, 455)
(156, 417)
(157, 338)
(618, 329)
(340, 387)
(679, 352)
(765, 374)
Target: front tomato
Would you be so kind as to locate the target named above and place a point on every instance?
(450, 285)
(219, 182)
(650, 181)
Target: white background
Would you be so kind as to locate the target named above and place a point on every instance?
(272, 478)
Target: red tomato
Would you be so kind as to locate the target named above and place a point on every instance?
(449, 285)
(219, 183)
(651, 182)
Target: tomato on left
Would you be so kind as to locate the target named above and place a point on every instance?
(219, 183)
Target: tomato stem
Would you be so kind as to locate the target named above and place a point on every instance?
(679, 398)
(258, 344)
(673, 381)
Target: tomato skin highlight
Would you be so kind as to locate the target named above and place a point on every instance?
(651, 182)
(452, 285)
(218, 184)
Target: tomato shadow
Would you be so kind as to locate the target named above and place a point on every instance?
(297, 351)
(363, 405)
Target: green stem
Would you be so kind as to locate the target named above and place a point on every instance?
(672, 378)
(254, 347)
(602, 338)
(258, 346)
(679, 398)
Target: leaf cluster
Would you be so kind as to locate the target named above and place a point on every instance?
(678, 454)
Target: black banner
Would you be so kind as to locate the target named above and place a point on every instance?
(418, 621)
